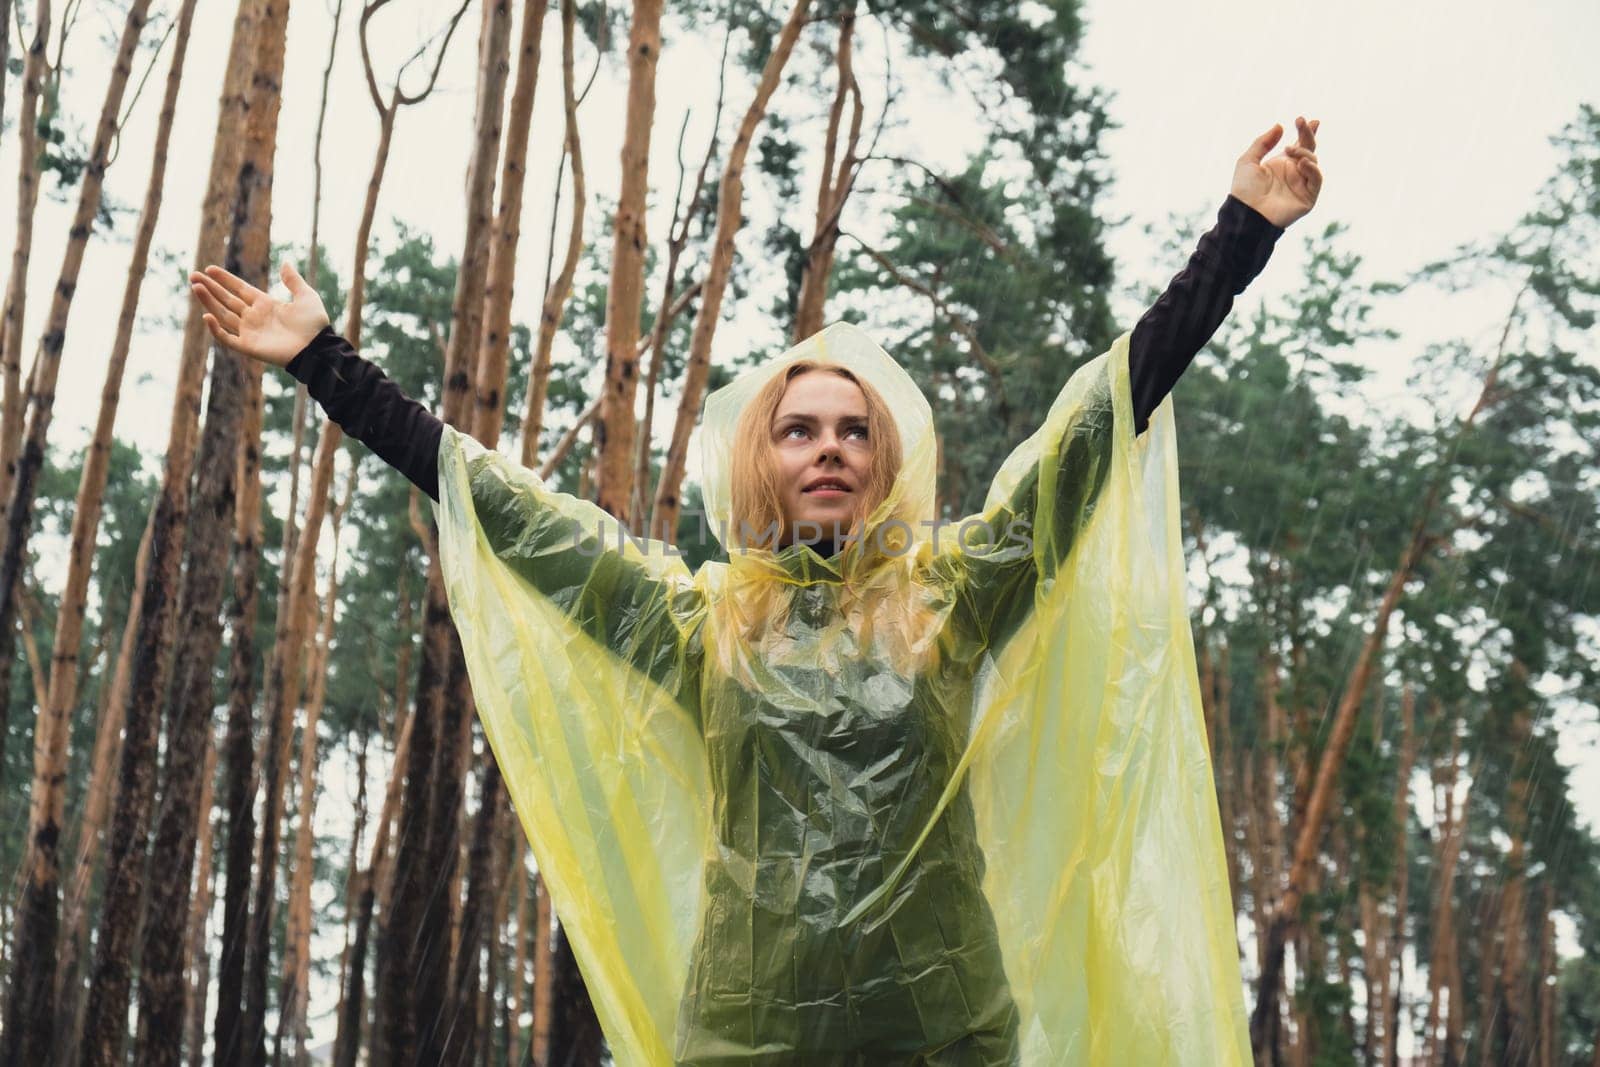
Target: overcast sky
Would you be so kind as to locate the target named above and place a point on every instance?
(1435, 120)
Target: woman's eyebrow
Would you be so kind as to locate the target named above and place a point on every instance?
(800, 416)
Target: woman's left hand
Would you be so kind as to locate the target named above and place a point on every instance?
(1285, 187)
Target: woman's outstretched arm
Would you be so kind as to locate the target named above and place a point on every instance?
(1264, 199)
(370, 407)
(1199, 297)
(296, 336)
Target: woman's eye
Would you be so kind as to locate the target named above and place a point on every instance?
(793, 430)
(859, 430)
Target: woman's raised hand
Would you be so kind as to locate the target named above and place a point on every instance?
(247, 320)
(1285, 187)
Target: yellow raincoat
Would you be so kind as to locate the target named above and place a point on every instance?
(942, 798)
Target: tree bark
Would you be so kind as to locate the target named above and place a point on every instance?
(543, 976)
(625, 294)
(832, 190)
(430, 838)
(196, 962)
(152, 622)
(1512, 978)
(670, 307)
(1443, 967)
(283, 676)
(297, 943)
(1394, 955)
(493, 351)
(12, 400)
(555, 297)
(519, 966)
(227, 477)
(730, 198)
(31, 1014)
(487, 417)
(106, 1022)
(73, 943)
(1548, 1052)
(5, 50)
(25, 462)
(348, 1041)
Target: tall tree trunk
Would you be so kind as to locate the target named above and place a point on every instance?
(518, 984)
(1229, 789)
(669, 308)
(447, 698)
(575, 1037)
(373, 878)
(493, 351)
(196, 961)
(283, 676)
(832, 189)
(1394, 953)
(292, 1021)
(12, 400)
(227, 475)
(459, 1036)
(283, 679)
(504, 845)
(544, 980)
(1491, 914)
(1269, 876)
(73, 943)
(1548, 1051)
(31, 1013)
(1444, 780)
(1513, 973)
(22, 475)
(106, 1022)
(555, 297)
(1372, 973)
(353, 879)
(154, 593)
(730, 200)
(625, 293)
(5, 52)
(487, 416)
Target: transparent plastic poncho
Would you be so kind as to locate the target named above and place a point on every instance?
(944, 797)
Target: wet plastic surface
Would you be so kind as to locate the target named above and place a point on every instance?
(945, 802)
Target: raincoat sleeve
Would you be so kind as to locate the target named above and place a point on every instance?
(1088, 765)
(583, 649)
(632, 597)
(1043, 494)
(1048, 490)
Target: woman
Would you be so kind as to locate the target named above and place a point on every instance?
(877, 788)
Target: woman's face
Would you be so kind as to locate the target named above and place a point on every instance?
(819, 438)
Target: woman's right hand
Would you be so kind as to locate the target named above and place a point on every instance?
(247, 320)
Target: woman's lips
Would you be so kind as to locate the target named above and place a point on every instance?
(825, 490)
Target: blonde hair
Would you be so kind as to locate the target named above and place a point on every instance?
(756, 492)
(749, 612)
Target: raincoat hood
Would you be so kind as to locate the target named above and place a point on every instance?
(910, 501)
(950, 806)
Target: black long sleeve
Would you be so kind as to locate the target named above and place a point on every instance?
(405, 434)
(370, 407)
(1198, 298)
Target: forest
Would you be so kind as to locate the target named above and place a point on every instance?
(247, 814)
